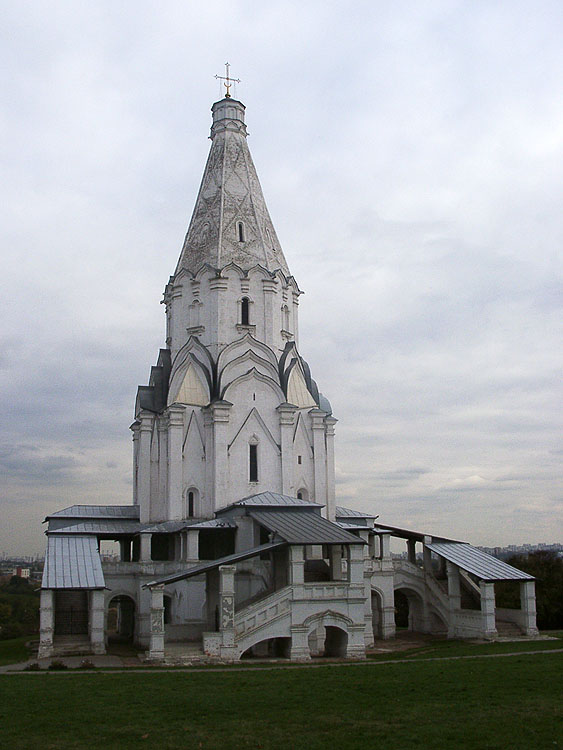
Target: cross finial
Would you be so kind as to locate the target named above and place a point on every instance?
(228, 81)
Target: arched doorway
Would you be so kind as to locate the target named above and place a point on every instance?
(328, 635)
(377, 614)
(272, 648)
(121, 618)
(409, 610)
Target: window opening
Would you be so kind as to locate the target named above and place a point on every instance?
(298, 459)
(240, 227)
(190, 504)
(300, 495)
(253, 463)
(244, 311)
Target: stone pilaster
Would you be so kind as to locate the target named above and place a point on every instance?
(319, 449)
(192, 549)
(220, 415)
(46, 623)
(296, 564)
(356, 563)
(156, 647)
(145, 551)
(97, 622)
(135, 436)
(287, 417)
(175, 470)
(299, 644)
(269, 287)
(217, 287)
(330, 489)
(144, 466)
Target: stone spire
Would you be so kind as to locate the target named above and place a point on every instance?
(230, 222)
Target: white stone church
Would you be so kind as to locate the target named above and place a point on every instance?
(233, 545)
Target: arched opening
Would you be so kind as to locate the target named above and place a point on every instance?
(336, 641)
(409, 610)
(191, 503)
(121, 619)
(303, 494)
(240, 231)
(245, 311)
(377, 614)
(253, 462)
(272, 648)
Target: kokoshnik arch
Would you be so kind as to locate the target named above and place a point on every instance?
(234, 543)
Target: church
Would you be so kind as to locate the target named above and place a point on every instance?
(234, 545)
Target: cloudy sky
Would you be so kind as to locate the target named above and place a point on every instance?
(411, 156)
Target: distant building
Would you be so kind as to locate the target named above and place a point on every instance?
(234, 543)
(21, 572)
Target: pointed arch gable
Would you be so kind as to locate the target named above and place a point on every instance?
(300, 428)
(200, 352)
(244, 343)
(252, 357)
(296, 388)
(254, 373)
(188, 385)
(234, 267)
(255, 414)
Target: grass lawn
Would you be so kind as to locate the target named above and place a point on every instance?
(487, 704)
(14, 650)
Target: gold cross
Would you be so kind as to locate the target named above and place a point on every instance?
(228, 81)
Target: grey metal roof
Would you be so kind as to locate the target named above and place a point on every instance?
(354, 526)
(275, 499)
(212, 564)
(214, 523)
(342, 512)
(409, 534)
(475, 561)
(166, 527)
(99, 511)
(303, 528)
(72, 562)
(100, 527)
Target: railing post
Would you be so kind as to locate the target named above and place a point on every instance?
(156, 648)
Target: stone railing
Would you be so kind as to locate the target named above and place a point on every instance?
(263, 612)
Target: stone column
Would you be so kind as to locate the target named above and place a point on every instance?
(411, 550)
(385, 546)
(269, 287)
(454, 588)
(295, 296)
(145, 553)
(97, 621)
(175, 469)
(217, 286)
(162, 461)
(227, 611)
(192, 550)
(330, 490)
(427, 556)
(356, 563)
(296, 564)
(144, 466)
(287, 415)
(156, 648)
(46, 623)
(528, 607)
(356, 647)
(319, 450)
(488, 609)
(336, 562)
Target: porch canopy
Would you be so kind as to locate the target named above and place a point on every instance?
(479, 563)
(72, 562)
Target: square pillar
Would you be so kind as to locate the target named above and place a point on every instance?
(528, 607)
(385, 546)
(97, 622)
(454, 588)
(356, 563)
(46, 623)
(319, 451)
(144, 466)
(299, 650)
(488, 609)
(336, 562)
(175, 440)
(156, 647)
(427, 555)
(227, 597)
(330, 488)
(287, 415)
(192, 548)
(145, 553)
(296, 565)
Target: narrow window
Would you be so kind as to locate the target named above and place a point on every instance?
(240, 227)
(244, 311)
(253, 463)
(300, 495)
(298, 459)
(190, 504)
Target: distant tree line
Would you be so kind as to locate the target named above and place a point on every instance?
(547, 567)
(19, 608)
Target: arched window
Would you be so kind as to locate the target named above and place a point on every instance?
(302, 494)
(191, 504)
(240, 231)
(245, 311)
(253, 462)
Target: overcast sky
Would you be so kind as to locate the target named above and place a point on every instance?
(411, 157)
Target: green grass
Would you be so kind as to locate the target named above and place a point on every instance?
(14, 650)
(488, 704)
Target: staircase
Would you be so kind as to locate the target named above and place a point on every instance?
(270, 617)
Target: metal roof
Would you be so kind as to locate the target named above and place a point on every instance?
(211, 565)
(72, 562)
(100, 527)
(303, 528)
(214, 523)
(275, 499)
(342, 512)
(166, 527)
(475, 561)
(354, 526)
(99, 511)
(409, 534)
